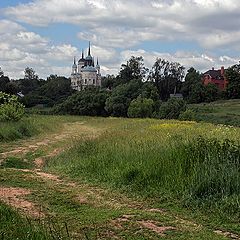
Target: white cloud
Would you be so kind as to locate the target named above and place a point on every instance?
(122, 23)
(20, 48)
(201, 62)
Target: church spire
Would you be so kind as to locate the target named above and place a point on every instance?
(82, 54)
(74, 60)
(97, 61)
(89, 50)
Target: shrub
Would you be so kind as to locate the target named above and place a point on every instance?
(10, 108)
(188, 115)
(172, 108)
(140, 108)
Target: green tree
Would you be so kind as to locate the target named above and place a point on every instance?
(233, 77)
(133, 69)
(117, 104)
(30, 82)
(172, 108)
(193, 78)
(30, 74)
(109, 81)
(212, 92)
(1, 72)
(10, 108)
(167, 77)
(90, 102)
(140, 108)
(53, 91)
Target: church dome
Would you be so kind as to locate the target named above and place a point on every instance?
(81, 60)
(89, 69)
(89, 57)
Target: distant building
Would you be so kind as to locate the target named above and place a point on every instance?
(175, 94)
(216, 77)
(85, 73)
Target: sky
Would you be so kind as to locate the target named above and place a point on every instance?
(47, 34)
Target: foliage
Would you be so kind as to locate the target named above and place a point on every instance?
(1, 72)
(48, 93)
(187, 115)
(10, 108)
(172, 108)
(30, 74)
(90, 102)
(117, 104)
(191, 86)
(212, 92)
(108, 82)
(140, 108)
(167, 77)
(8, 86)
(233, 77)
(133, 69)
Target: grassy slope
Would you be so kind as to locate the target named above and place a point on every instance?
(131, 155)
(28, 126)
(221, 112)
(151, 158)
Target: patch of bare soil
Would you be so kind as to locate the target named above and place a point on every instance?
(227, 234)
(14, 197)
(39, 162)
(156, 210)
(48, 176)
(155, 228)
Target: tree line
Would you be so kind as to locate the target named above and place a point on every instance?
(135, 92)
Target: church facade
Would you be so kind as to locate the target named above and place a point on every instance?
(85, 73)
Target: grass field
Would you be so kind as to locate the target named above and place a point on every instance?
(28, 127)
(110, 178)
(219, 112)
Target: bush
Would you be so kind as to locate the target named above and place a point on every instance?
(172, 108)
(140, 108)
(10, 108)
(188, 115)
(89, 102)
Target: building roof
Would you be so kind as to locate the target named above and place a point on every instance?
(89, 57)
(89, 69)
(216, 74)
(81, 60)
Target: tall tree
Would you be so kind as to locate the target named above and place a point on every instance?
(30, 74)
(167, 77)
(193, 78)
(133, 69)
(233, 77)
(1, 72)
(30, 82)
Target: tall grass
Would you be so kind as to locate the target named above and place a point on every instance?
(15, 226)
(166, 160)
(220, 112)
(28, 127)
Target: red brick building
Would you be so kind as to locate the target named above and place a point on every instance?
(216, 77)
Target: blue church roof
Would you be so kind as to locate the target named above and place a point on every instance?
(89, 69)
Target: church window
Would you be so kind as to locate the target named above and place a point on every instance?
(93, 81)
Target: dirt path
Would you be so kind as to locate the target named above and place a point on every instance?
(112, 215)
(70, 131)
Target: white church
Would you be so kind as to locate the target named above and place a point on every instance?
(85, 73)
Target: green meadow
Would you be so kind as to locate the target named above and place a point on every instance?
(184, 169)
